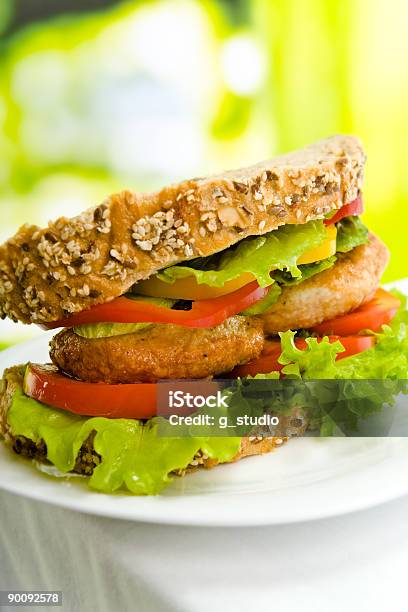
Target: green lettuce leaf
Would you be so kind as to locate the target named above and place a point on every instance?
(92, 331)
(351, 232)
(317, 360)
(387, 359)
(133, 455)
(278, 250)
(306, 270)
(339, 397)
(282, 277)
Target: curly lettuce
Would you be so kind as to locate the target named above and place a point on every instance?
(357, 387)
(351, 232)
(387, 359)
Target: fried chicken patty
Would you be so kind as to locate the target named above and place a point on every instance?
(159, 351)
(351, 282)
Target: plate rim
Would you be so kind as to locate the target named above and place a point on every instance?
(166, 511)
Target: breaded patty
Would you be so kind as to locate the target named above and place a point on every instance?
(159, 351)
(332, 293)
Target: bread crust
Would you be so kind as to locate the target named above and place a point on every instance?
(73, 264)
(12, 379)
(352, 281)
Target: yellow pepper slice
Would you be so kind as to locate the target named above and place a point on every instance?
(188, 288)
(326, 249)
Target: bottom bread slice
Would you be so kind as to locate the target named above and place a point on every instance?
(88, 459)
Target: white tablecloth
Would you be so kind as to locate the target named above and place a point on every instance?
(356, 562)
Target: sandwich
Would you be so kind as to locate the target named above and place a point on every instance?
(266, 271)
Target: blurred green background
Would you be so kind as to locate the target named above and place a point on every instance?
(100, 95)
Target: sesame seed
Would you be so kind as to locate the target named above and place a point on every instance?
(207, 215)
(145, 245)
(85, 269)
(183, 229)
(103, 230)
(212, 225)
(115, 254)
(261, 224)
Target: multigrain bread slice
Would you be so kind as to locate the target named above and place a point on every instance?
(87, 458)
(73, 264)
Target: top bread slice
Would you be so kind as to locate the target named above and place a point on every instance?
(71, 265)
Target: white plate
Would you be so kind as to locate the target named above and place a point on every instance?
(306, 479)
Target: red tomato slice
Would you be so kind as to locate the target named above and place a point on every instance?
(353, 344)
(204, 313)
(47, 385)
(354, 208)
(268, 361)
(379, 311)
